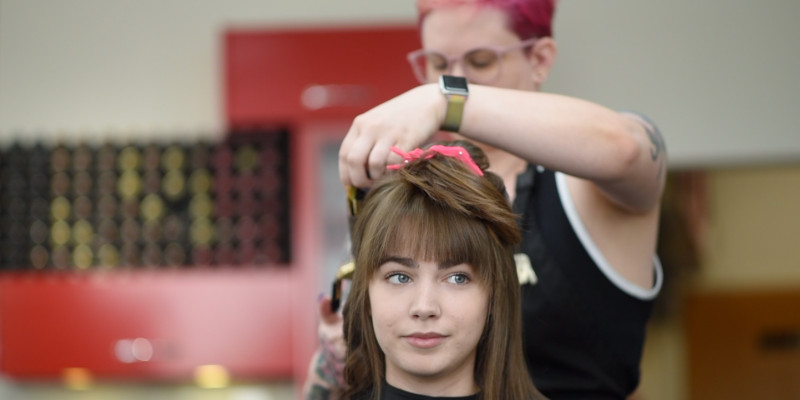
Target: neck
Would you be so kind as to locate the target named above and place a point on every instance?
(507, 166)
(458, 384)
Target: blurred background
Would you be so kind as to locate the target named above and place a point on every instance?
(170, 205)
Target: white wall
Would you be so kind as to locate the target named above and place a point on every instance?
(720, 77)
(99, 67)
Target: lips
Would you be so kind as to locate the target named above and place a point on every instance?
(425, 340)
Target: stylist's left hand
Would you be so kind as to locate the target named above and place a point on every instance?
(406, 121)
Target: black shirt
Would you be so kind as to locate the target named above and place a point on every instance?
(393, 393)
(390, 392)
(583, 334)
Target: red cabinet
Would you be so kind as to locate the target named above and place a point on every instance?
(147, 324)
(258, 322)
(295, 75)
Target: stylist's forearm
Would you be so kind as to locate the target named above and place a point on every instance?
(571, 135)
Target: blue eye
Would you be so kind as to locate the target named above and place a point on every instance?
(458, 279)
(398, 278)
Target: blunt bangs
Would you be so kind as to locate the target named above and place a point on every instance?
(415, 226)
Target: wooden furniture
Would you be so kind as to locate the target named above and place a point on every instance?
(744, 345)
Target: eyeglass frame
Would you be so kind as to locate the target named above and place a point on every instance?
(499, 51)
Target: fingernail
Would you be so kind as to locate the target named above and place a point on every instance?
(320, 297)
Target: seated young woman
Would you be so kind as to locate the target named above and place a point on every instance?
(434, 306)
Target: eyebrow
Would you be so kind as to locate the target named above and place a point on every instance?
(411, 263)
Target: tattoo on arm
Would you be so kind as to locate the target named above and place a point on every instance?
(329, 370)
(656, 140)
(658, 147)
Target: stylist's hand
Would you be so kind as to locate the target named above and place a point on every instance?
(406, 121)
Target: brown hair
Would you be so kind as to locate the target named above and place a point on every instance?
(447, 213)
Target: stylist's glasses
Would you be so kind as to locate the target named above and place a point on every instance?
(482, 65)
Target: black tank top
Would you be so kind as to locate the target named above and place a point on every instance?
(583, 335)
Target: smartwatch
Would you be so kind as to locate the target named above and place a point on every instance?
(455, 90)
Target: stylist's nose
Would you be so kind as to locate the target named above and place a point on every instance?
(457, 69)
(425, 304)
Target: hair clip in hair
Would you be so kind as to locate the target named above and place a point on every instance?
(449, 151)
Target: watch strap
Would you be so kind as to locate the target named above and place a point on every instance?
(455, 110)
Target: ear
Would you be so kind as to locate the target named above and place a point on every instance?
(542, 56)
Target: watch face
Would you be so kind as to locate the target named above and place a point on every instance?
(454, 84)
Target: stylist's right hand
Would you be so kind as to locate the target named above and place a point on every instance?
(406, 121)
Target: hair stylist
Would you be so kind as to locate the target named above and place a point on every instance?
(587, 181)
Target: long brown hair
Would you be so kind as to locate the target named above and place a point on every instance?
(446, 212)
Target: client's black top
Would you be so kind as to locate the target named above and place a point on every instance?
(390, 392)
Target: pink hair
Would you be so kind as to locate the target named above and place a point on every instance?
(528, 18)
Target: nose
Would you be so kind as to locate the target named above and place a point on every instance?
(425, 304)
(457, 68)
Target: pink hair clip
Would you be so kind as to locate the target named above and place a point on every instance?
(449, 151)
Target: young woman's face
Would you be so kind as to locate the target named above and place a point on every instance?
(459, 31)
(428, 319)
